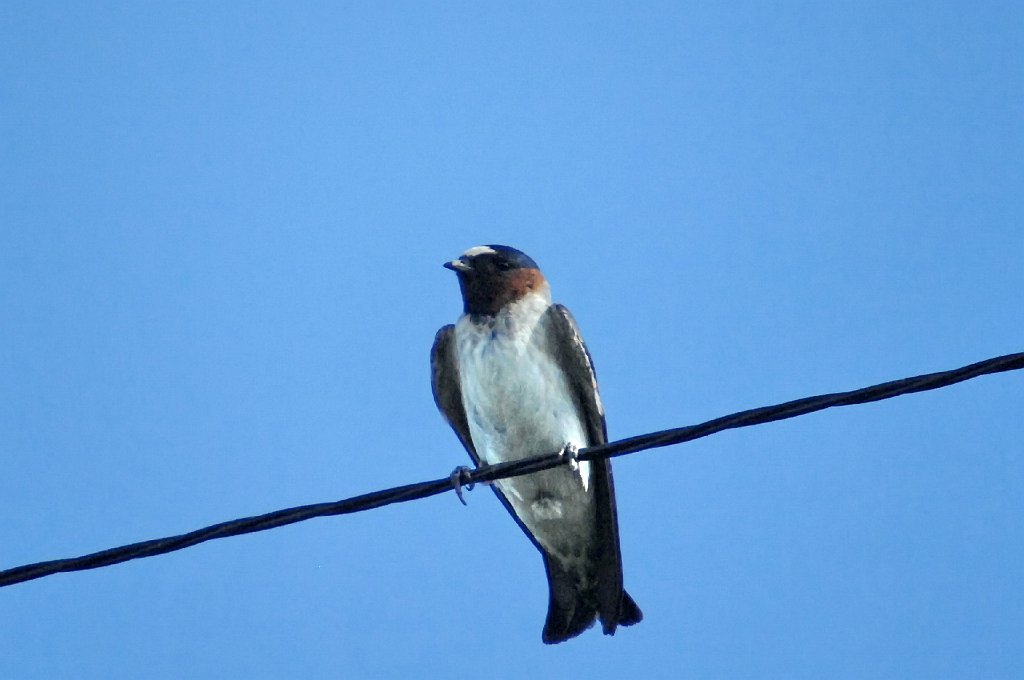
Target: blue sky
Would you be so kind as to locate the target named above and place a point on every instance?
(221, 230)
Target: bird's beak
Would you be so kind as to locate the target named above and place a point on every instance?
(458, 266)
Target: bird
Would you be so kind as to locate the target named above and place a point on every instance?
(513, 378)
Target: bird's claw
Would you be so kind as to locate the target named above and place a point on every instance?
(571, 452)
(461, 477)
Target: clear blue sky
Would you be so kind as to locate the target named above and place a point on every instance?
(221, 230)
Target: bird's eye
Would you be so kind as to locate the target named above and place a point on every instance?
(502, 265)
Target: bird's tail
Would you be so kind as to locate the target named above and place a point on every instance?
(629, 613)
(572, 611)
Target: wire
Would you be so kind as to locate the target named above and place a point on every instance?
(489, 473)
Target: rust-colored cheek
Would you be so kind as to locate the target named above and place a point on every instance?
(523, 281)
(489, 295)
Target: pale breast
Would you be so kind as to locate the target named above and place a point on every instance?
(517, 399)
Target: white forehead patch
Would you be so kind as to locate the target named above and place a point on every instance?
(478, 250)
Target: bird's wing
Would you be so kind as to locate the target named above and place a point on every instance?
(573, 357)
(571, 354)
(445, 382)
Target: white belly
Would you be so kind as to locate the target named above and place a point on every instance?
(518, 404)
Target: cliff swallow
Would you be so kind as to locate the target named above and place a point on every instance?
(514, 379)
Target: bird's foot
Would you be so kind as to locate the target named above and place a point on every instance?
(461, 477)
(571, 453)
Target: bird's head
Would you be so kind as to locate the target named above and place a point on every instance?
(494, 276)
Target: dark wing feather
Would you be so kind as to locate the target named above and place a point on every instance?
(573, 357)
(445, 382)
(614, 605)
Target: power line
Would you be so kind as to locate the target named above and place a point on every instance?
(489, 473)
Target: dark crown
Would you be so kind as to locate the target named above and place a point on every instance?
(506, 257)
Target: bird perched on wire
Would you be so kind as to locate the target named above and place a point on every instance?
(514, 379)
